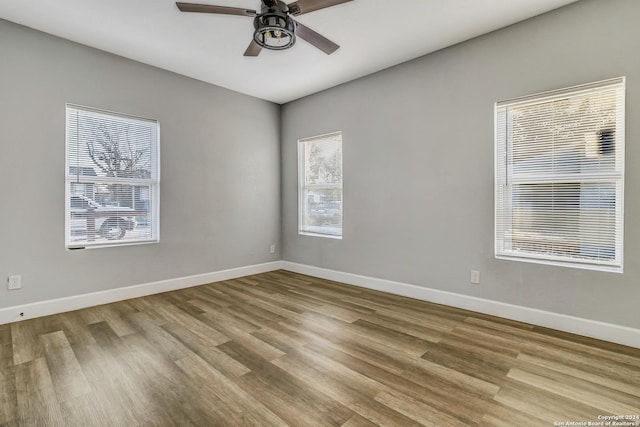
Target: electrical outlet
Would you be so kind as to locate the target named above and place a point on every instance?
(272, 249)
(14, 282)
(475, 277)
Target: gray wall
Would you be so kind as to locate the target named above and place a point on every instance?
(419, 160)
(220, 180)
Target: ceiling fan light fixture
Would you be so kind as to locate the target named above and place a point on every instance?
(274, 30)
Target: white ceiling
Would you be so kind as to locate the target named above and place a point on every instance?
(373, 35)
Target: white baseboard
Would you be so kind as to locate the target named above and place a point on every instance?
(589, 328)
(76, 302)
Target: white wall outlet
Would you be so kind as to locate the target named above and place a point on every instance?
(14, 282)
(272, 249)
(475, 277)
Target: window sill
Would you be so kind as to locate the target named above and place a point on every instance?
(316, 234)
(76, 247)
(570, 264)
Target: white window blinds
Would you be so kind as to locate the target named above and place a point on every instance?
(320, 185)
(112, 179)
(560, 176)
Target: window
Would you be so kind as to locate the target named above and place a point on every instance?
(320, 185)
(111, 179)
(560, 176)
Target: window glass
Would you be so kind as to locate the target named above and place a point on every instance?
(560, 177)
(320, 198)
(112, 179)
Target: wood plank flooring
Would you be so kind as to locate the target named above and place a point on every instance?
(281, 349)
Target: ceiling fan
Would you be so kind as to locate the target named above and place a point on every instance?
(275, 28)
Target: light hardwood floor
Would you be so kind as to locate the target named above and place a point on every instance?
(284, 349)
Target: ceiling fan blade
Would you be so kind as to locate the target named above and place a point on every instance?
(305, 6)
(253, 49)
(316, 39)
(208, 8)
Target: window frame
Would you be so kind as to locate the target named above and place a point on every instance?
(503, 208)
(153, 182)
(304, 229)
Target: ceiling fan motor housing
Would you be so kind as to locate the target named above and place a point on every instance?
(274, 28)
